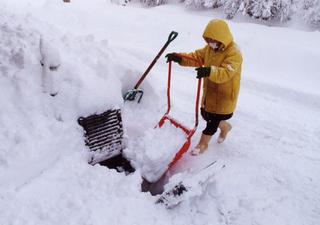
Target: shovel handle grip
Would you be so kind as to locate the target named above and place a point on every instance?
(172, 36)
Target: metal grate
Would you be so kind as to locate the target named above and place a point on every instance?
(103, 134)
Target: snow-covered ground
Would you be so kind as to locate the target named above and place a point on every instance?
(272, 156)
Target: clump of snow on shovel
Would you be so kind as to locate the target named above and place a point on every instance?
(153, 152)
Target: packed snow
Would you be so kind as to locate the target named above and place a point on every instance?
(154, 151)
(271, 157)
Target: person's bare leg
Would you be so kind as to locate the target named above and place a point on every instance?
(225, 127)
(202, 146)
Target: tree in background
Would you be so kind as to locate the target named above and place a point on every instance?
(279, 10)
(311, 12)
(153, 2)
(232, 7)
(205, 3)
(273, 10)
(259, 9)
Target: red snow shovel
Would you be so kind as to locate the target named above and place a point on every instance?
(131, 94)
(157, 187)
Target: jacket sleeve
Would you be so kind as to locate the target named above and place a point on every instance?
(197, 55)
(230, 66)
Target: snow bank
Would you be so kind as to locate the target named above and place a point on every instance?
(84, 80)
(44, 174)
(38, 128)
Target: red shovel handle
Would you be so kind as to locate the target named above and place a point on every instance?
(198, 90)
(166, 116)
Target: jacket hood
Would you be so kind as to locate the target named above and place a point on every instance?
(218, 30)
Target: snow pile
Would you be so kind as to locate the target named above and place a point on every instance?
(69, 191)
(157, 147)
(83, 80)
(35, 128)
(33, 120)
(18, 46)
(44, 174)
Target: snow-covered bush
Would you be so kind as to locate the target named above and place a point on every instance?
(274, 10)
(232, 7)
(311, 11)
(268, 9)
(120, 2)
(280, 10)
(260, 9)
(153, 2)
(205, 3)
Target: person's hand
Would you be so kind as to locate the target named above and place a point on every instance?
(203, 72)
(173, 57)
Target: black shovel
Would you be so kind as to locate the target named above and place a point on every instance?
(131, 94)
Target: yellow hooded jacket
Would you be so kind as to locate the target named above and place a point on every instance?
(221, 88)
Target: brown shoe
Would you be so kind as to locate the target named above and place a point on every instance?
(202, 146)
(225, 127)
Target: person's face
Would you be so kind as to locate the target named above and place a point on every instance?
(215, 45)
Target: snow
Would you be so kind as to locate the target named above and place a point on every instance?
(271, 156)
(154, 151)
(50, 61)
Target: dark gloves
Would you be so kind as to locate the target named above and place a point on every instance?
(173, 57)
(203, 72)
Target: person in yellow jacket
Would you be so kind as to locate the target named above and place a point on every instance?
(221, 70)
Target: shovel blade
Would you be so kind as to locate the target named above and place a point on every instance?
(132, 94)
